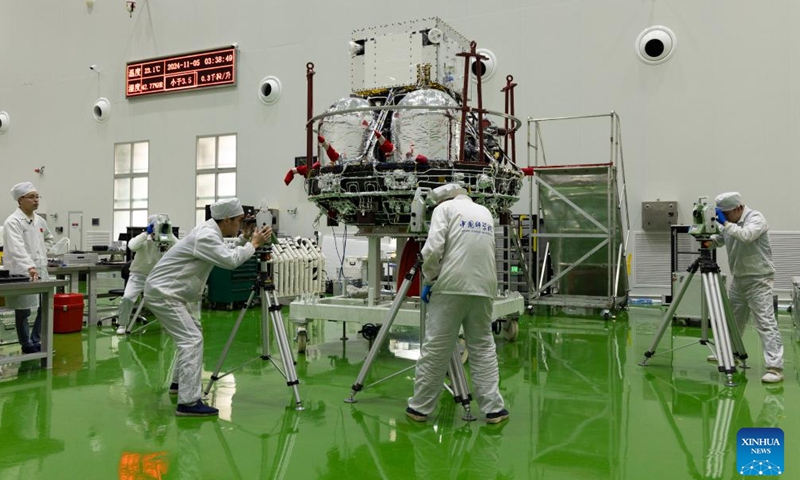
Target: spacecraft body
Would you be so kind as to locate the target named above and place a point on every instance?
(401, 128)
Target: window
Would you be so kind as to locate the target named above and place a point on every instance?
(131, 168)
(216, 172)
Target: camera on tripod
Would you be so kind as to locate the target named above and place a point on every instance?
(162, 231)
(704, 219)
(426, 199)
(260, 218)
(715, 310)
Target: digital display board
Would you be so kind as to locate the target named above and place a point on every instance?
(177, 73)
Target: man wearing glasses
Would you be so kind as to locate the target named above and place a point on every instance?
(26, 243)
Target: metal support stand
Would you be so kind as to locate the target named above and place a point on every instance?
(458, 385)
(265, 286)
(133, 319)
(727, 338)
(458, 388)
(595, 195)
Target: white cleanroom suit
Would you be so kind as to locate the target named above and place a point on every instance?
(459, 263)
(148, 252)
(173, 290)
(26, 241)
(750, 291)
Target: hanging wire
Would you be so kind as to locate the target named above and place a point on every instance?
(340, 271)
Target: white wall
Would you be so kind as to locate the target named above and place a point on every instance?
(722, 114)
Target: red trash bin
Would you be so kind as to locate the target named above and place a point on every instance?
(67, 312)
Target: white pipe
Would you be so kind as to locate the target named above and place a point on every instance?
(544, 266)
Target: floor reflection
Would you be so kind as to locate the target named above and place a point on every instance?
(702, 415)
(26, 412)
(577, 408)
(581, 408)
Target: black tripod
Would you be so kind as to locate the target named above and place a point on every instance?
(265, 287)
(458, 378)
(728, 340)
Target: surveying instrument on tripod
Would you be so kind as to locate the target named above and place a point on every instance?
(458, 379)
(715, 308)
(270, 307)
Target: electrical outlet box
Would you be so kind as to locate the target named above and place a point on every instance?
(658, 216)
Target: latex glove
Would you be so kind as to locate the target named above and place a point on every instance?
(151, 228)
(721, 218)
(426, 293)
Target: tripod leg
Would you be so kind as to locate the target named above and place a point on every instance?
(724, 320)
(704, 316)
(668, 316)
(284, 348)
(383, 333)
(719, 327)
(266, 313)
(458, 377)
(727, 325)
(712, 313)
(737, 343)
(132, 320)
(214, 376)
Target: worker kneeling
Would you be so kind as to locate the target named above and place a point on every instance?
(174, 287)
(460, 283)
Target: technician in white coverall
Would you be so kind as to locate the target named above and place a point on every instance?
(745, 234)
(175, 286)
(26, 241)
(148, 252)
(460, 283)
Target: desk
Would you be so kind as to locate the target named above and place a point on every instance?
(45, 289)
(73, 272)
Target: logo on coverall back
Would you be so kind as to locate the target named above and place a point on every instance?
(474, 226)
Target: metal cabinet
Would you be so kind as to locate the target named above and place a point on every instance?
(231, 288)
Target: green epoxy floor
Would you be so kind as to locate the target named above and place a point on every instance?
(581, 408)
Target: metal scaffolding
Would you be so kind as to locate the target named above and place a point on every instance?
(584, 224)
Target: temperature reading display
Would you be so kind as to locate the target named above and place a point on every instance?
(210, 68)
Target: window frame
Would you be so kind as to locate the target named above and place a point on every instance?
(216, 171)
(130, 175)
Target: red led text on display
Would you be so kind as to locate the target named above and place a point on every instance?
(210, 68)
